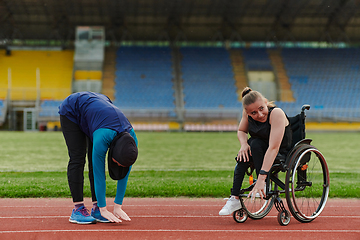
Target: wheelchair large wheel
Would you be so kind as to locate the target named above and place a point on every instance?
(307, 183)
(258, 208)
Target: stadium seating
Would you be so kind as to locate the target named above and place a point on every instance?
(55, 74)
(49, 108)
(257, 59)
(144, 78)
(208, 79)
(327, 79)
(3, 111)
(143, 81)
(1, 108)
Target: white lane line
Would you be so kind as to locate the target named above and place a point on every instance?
(161, 216)
(190, 230)
(153, 205)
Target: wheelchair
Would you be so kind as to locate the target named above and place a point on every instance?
(306, 185)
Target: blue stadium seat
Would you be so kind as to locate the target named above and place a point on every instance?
(144, 78)
(49, 108)
(208, 79)
(1, 108)
(257, 59)
(327, 79)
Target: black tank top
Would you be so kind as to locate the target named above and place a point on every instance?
(262, 130)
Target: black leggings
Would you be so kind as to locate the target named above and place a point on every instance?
(258, 149)
(77, 143)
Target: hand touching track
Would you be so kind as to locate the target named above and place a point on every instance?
(108, 215)
(118, 212)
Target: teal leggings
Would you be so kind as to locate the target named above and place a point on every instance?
(121, 185)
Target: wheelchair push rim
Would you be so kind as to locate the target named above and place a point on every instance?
(307, 185)
(258, 208)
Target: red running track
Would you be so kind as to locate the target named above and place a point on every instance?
(170, 218)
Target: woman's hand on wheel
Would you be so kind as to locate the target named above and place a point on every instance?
(258, 189)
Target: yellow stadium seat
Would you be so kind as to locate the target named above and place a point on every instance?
(87, 75)
(54, 72)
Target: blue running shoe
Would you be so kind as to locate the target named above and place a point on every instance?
(95, 213)
(81, 216)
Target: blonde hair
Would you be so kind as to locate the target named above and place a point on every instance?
(250, 96)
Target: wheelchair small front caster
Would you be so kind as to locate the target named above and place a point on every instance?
(240, 215)
(283, 217)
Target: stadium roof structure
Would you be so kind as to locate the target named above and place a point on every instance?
(183, 20)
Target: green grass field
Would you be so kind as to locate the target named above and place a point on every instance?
(170, 164)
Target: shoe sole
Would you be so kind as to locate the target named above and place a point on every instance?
(74, 221)
(228, 213)
(99, 220)
(102, 221)
(223, 214)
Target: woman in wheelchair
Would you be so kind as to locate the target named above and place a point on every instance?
(270, 134)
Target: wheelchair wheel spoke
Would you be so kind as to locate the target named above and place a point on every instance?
(258, 208)
(308, 184)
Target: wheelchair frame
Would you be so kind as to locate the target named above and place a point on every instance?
(306, 171)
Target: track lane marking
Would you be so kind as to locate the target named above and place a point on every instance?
(162, 216)
(189, 230)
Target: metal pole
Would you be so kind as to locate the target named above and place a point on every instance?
(35, 114)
